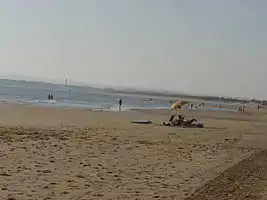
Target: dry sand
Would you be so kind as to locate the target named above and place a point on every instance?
(82, 155)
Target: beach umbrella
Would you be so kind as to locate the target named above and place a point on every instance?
(179, 104)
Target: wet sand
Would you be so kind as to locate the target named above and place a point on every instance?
(81, 155)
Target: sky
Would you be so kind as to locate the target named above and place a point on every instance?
(211, 47)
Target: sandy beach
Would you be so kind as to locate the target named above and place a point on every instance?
(48, 153)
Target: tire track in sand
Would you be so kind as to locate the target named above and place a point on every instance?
(237, 182)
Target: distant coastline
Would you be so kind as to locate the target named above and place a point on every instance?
(173, 95)
(131, 91)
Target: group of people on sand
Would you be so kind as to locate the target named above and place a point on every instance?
(241, 109)
(182, 122)
(190, 106)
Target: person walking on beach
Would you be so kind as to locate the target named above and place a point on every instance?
(120, 104)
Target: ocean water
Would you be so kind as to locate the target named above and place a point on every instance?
(36, 94)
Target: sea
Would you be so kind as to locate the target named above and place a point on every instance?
(85, 97)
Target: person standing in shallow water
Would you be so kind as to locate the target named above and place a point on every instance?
(120, 104)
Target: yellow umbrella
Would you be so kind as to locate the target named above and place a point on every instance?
(179, 104)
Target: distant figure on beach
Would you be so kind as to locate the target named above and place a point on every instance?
(241, 109)
(120, 104)
(258, 106)
(50, 97)
(191, 106)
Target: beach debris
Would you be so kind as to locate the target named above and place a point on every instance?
(11, 198)
(45, 171)
(141, 121)
(5, 174)
(80, 176)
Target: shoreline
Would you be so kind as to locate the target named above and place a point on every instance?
(116, 109)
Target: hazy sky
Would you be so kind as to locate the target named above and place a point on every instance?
(196, 46)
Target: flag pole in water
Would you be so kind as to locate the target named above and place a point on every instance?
(66, 81)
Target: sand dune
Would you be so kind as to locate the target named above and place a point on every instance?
(81, 155)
